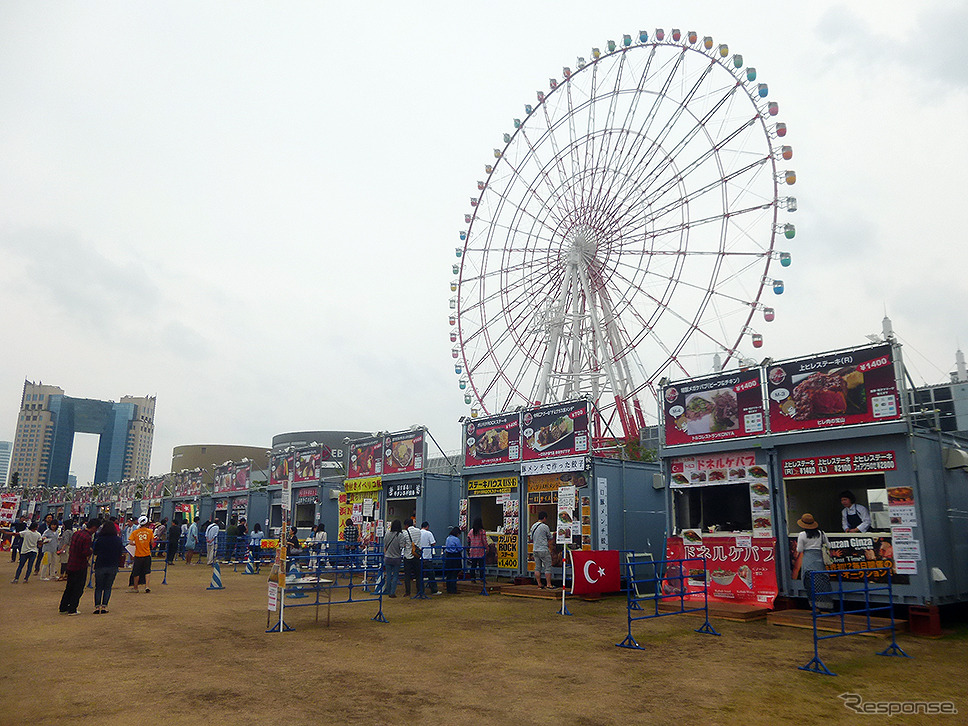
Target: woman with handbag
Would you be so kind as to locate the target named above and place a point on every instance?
(392, 558)
(811, 543)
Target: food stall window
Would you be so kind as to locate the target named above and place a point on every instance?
(821, 497)
(305, 514)
(490, 512)
(725, 508)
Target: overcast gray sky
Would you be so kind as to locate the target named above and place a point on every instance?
(250, 209)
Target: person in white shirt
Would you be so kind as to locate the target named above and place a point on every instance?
(427, 542)
(411, 563)
(211, 539)
(854, 517)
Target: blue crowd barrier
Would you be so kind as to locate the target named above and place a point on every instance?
(349, 575)
(828, 605)
(662, 580)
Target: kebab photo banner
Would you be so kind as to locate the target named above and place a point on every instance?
(726, 406)
(836, 389)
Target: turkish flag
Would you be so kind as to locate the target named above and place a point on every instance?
(595, 572)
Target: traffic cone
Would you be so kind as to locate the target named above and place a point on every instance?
(216, 578)
(249, 565)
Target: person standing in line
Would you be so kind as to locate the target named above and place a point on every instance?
(392, 558)
(453, 554)
(107, 550)
(191, 541)
(477, 549)
(29, 547)
(810, 544)
(51, 544)
(427, 542)
(77, 561)
(412, 556)
(142, 538)
(161, 537)
(174, 535)
(255, 542)
(351, 541)
(211, 541)
(854, 517)
(242, 540)
(541, 541)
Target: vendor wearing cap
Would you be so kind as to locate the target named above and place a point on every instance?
(142, 538)
(854, 517)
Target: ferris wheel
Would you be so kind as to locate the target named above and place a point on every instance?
(623, 233)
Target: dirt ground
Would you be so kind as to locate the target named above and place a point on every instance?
(184, 653)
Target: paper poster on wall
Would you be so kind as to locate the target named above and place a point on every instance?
(601, 503)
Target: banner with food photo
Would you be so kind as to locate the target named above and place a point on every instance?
(365, 458)
(557, 429)
(242, 472)
(726, 406)
(851, 551)
(223, 479)
(836, 389)
(307, 465)
(733, 573)
(492, 440)
(403, 452)
(735, 467)
(279, 467)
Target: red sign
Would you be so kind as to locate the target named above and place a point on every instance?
(492, 440)
(726, 406)
(595, 572)
(403, 452)
(365, 458)
(733, 573)
(832, 465)
(839, 389)
(558, 429)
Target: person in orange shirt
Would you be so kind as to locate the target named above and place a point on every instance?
(142, 538)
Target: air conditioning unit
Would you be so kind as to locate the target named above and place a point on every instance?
(334, 493)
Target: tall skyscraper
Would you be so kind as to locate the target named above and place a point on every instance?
(45, 436)
(6, 448)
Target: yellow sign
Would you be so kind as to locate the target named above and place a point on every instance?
(269, 544)
(367, 484)
(492, 486)
(507, 551)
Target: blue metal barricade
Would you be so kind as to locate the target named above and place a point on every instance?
(663, 581)
(826, 589)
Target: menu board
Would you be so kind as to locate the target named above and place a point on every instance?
(279, 467)
(725, 406)
(735, 571)
(365, 458)
(492, 440)
(403, 452)
(729, 468)
(837, 389)
(557, 429)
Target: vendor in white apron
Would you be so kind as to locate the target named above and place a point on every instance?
(854, 517)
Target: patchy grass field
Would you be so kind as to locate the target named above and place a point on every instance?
(183, 654)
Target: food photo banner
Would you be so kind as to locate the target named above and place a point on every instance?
(558, 429)
(730, 468)
(837, 389)
(365, 458)
(492, 440)
(279, 467)
(403, 452)
(307, 465)
(726, 406)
